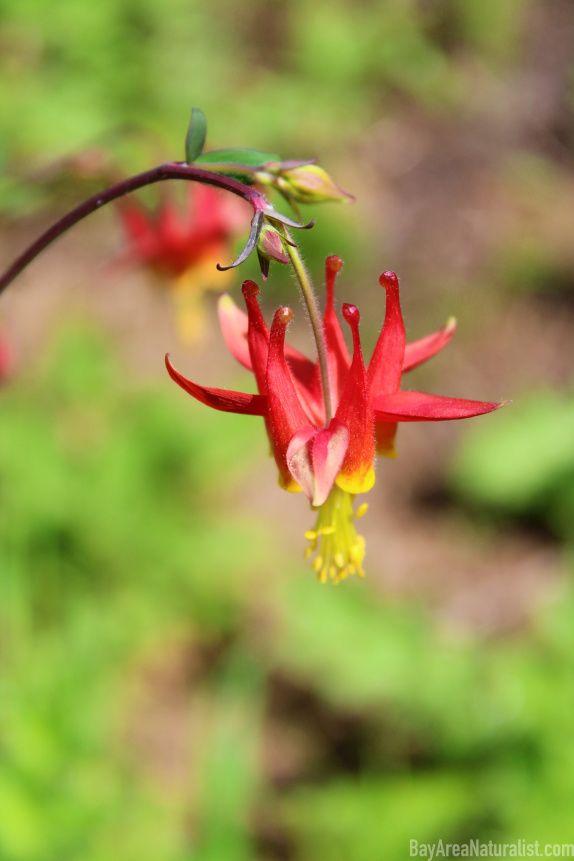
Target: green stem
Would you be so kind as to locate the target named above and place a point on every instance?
(308, 294)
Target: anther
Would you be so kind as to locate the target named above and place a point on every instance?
(326, 530)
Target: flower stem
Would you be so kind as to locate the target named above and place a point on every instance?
(171, 170)
(310, 299)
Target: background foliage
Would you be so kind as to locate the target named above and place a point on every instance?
(173, 683)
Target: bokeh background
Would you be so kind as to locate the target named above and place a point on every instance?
(174, 684)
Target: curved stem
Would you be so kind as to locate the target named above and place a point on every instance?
(306, 287)
(171, 170)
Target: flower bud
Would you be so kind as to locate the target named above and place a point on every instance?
(310, 183)
(270, 246)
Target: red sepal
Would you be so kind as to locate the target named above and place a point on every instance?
(386, 365)
(257, 334)
(422, 407)
(220, 399)
(233, 324)
(425, 348)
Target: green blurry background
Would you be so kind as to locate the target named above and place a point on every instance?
(174, 685)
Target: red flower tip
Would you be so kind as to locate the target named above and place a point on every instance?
(249, 289)
(353, 318)
(351, 314)
(333, 264)
(389, 280)
(283, 317)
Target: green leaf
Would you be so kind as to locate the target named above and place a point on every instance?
(238, 155)
(195, 137)
(251, 158)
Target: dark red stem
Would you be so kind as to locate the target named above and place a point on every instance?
(171, 170)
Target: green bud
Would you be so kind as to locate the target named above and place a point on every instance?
(310, 183)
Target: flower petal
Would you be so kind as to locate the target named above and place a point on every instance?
(355, 412)
(234, 324)
(257, 335)
(305, 372)
(328, 453)
(307, 382)
(422, 407)
(138, 227)
(386, 365)
(425, 348)
(207, 212)
(385, 435)
(298, 458)
(314, 458)
(286, 415)
(220, 399)
(6, 359)
(338, 356)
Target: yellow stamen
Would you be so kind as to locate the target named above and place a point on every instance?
(362, 509)
(339, 549)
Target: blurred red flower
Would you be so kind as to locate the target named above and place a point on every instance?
(181, 247)
(5, 359)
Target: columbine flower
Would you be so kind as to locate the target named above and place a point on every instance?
(330, 462)
(182, 248)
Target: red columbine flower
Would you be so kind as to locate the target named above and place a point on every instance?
(182, 248)
(330, 462)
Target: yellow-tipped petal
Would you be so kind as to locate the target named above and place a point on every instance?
(356, 482)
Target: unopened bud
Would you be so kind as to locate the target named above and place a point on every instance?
(270, 246)
(310, 183)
